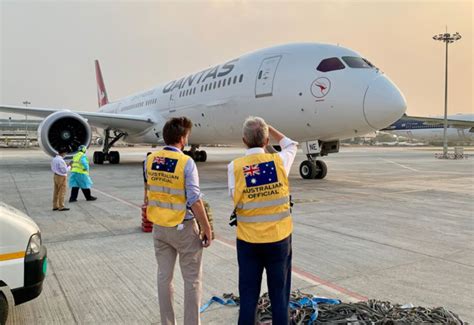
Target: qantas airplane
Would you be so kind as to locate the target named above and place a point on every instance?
(315, 93)
(431, 129)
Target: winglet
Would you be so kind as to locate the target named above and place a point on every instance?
(101, 92)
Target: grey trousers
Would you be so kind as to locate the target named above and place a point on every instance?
(169, 243)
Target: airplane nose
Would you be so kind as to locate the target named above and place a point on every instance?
(383, 103)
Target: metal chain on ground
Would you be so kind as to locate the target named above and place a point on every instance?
(306, 309)
(383, 312)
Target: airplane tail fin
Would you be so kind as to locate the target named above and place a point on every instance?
(101, 92)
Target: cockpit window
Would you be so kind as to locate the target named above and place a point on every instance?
(330, 64)
(357, 62)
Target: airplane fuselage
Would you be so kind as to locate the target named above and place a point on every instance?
(432, 132)
(283, 85)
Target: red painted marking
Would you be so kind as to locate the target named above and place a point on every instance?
(328, 284)
(310, 276)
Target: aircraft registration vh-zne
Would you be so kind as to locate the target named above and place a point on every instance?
(317, 94)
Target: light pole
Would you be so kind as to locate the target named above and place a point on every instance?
(26, 103)
(446, 38)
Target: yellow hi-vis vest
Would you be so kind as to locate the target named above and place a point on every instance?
(166, 187)
(262, 199)
(77, 166)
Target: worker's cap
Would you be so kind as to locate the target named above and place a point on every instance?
(82, 148)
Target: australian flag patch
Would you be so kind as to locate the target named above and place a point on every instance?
(164, 164)
(260, 174)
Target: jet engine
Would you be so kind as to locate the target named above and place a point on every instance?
(63, 129)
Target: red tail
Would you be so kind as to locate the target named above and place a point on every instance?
(101, 92)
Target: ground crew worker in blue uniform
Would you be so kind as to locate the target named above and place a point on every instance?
(174, 201)
(79, 177)
(258, 183)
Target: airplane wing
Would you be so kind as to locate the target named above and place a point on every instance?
(439, 120)
(122, 122)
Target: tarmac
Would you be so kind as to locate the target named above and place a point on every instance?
(392, 224)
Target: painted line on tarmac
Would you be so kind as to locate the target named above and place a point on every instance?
(133, 205)
(299, 273)
(311, 278)
(393, 162)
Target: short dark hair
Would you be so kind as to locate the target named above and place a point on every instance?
(175, 128)
(62, 150)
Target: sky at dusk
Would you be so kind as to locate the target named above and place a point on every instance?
(48, 48)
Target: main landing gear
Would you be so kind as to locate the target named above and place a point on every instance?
(197, 155)
(113, 157)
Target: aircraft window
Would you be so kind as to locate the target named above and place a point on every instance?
(229, 80)
(356, 62)
(202, 88)
(260, 74)
(330, 64)
(235, 79)
(368, 62)
(219, 84)
(215, 82)
(223, 82)
(241, 78)
(194, 90)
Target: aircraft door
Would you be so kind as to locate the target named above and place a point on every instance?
(173, 96)
(265, 76)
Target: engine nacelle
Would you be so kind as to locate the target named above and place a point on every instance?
(63, 129)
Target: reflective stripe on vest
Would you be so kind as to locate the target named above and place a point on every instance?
(166, 205)
(261, 198)
(264, 204)
(265, 218)
(166, 190)
(166, 187)
(77, 166)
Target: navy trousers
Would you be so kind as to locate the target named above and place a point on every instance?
(275, 258)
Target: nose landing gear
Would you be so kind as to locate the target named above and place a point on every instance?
(313, 169)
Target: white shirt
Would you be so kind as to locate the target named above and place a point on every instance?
(59, 166)
(287, 155)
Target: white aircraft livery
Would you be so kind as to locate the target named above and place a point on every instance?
(460, 128)
(315, 93)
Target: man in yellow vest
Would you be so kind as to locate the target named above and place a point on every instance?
(174, 202)
(258, 183)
